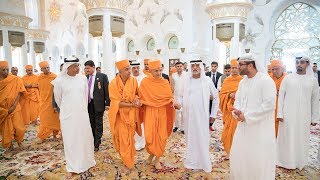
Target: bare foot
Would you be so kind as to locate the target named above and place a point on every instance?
(157, 164)
(39, 141)
(10, 149)
(20, 145)
(227, 157)
(69, 175)
(127, 171)
(149, 160)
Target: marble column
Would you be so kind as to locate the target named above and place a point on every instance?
(7, 47)
(121, 48)
(108, 62)
(32, 54)
(24, 55)
(234, 48)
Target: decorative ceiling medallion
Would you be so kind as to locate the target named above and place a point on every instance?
(54, 12)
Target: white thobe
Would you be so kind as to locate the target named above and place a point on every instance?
(140, 141)
(298, 105)
(177, 83)
(252, 155)
(195, 104)
(71, 95)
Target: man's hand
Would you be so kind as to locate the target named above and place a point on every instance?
(232, 95)
(212, 120)
(211, 97)
(241, 117)
(55, 110)
(107, 108)
(177, 105)
(280, 119)
(136, 102)
(236, 111)
(239, 114)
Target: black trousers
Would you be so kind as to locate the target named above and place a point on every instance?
(96, 121)
(210, 105)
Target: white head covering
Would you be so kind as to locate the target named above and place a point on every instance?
(309, 70)
(202, 72)
(253, 57)
(134, 63)
(68, 62)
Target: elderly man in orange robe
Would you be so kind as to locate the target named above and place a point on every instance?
(49, 118)
(278, 74)
(227, 97)
(30, 101)
(158, 111)
(123, 112)
(11, 122)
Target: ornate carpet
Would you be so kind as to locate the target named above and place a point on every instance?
(46, 161)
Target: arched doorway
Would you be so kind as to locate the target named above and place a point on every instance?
(297, 32)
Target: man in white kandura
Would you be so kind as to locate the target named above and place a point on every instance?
(177, 84)
(71, 95)
(140, 141)
(252, 154)
(298, 107)
(197, 92)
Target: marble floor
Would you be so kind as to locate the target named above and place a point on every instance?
(46, 160)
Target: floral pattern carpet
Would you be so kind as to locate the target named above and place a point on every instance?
(46, 160)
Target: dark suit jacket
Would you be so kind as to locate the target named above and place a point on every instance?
(166, 77)
(318, 77)
(101, 92)
(217, 77)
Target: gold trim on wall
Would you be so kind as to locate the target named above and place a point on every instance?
(14, 20)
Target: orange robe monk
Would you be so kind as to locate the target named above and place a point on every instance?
(49, 119)
(230, 85)
(30, 101)
(123, 119)
(227, 98)
(158, 113)
(277, 81)
(11, 123)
